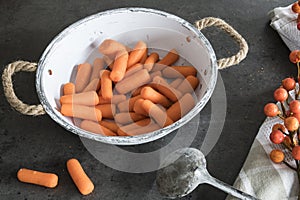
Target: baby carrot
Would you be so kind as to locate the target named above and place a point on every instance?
(137, 91)
(137, 53)
(117, 98)
(164, 88)
(179, 71)
(85, 98)
(80, 111)
(128, 117)
(98, 64)
(154, 96)
(176, 83)
(181, 107)
(95, 127)
(128, 104)
(144, 57)
(153, 58)
(94, 85)
(133, 81)
(154, 74)
(189, 84)
(157, 113)
(171, 57)
(108, 110)
(119, 67)
(136, 67)
(110, 48)
(83, 76)
(111, 125)
(138, 108)
(142, 130)
(138, 124)
(69, 88)
(49, 180)
(79, 177)
(106, 85)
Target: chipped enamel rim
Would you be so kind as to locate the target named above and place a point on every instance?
(127, 140)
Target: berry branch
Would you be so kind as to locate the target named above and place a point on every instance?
(296, 9)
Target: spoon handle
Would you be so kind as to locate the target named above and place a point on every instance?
(228, 188)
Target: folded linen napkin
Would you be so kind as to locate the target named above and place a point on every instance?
(259, 176)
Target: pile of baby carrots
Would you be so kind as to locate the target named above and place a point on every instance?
(128, 92)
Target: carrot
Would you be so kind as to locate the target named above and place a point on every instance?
(144, 57)
(133, 81)
(95, 127)
(137, 53)
(128, 117)
(157, 113)
(154, 96)
(85, 98)
(149, 63)
(94, 85)
(83, 76)
(119, 67)
(143, 130)
(79, 177)
(165, 89)
(179, 71)
(176, 83)
(111, 125)
(69, 88)
(106, 85)
(122, 131)
(49, 180)
(128, 104)
(171, 57)
(181, 107)
(137, 108)
(108, 110)
(136, 67)
(153, 74)
(108, 61)
(110, 48)
(80, 111)
(189, 84)
(98, 64)
(117, 98)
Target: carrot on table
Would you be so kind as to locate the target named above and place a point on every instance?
(98, 64)
(108, 110)
(133, 81)
(128, 117)
(69, 88)
(85, 98)
(137, 53)
(79, 177)
(94, 85)
(171, 57)
(110, 48)
(111, 125)
(128, 104)
(138, 108)
(181, 107)
(189, 84)
(119, 67)
(179, 71)
(49, 180)
(106, 85)
(81, 111)
(149, 63)
(95, 127)
(154, 96)
(83, 76)
(157, 113)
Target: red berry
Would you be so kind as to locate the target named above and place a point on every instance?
(296, 7)
(277, 156)
(271, 110)
(289, 84)
(294, 56)
(291, 123)
(297, 115)
(281, 94)
(298, 25)
(276, 137)
(279, 127)
(295, 106)
(296, 152)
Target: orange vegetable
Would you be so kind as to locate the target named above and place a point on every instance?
(49, 180)
(108, 110)
(144, 57)
(167, 90)
(94, 85)
(98, 65)
(95, 127)
(69, 88)
(106, 85)
(128, 104)
(138, 108)
(79, 177)
(80, 111)
(85, 98)
(137, 53)
(111, 125)
(119, 67)
(176, 83)
(122, 131)
(128, 117)
(136, 67)
(154, 96)
(171, 57)
(149, 63)
(189, 84)
(179, 71)
(83, 76)
(110, 48)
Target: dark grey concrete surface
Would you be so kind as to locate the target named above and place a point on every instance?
(26, 27)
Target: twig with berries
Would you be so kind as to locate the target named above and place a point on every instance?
(296, 9)
(287, 134)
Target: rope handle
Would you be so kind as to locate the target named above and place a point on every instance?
(9, 92)
(219, 23)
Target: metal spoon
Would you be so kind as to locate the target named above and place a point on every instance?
(183, 170)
